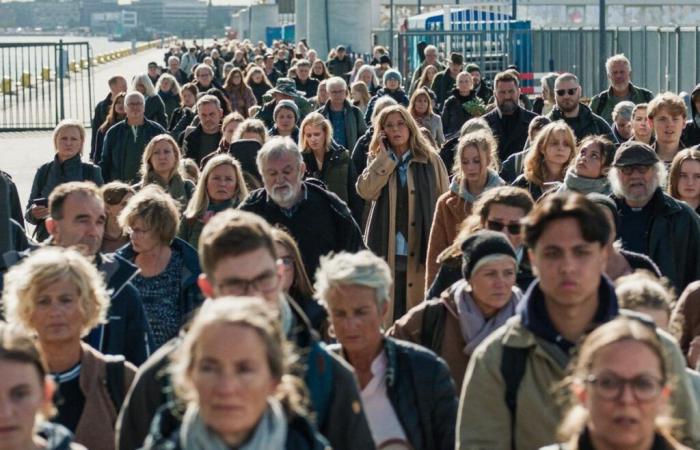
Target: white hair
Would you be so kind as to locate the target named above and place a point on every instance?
(660, 173)
(207, 99)
(614, 59)
(173, 58)
(145, 80)
(429, 48)
(276, 148)
(174, 85)
(370, 69)
(131, 94)
(336, 81)
(623, 109)
(363, 268)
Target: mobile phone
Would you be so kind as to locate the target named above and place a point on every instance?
(43, 201)
(385, 140)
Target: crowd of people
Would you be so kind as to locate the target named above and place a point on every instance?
(266, 250)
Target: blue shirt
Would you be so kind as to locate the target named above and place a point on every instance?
(402, 169)
(337, 120)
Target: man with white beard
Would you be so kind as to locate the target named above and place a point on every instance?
(318, 220)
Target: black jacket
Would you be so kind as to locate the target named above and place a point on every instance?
(259, 89)
(320, 223)
(585, 124)
(118, 153)
(484, 91)
(422, 393)
(442, 85)
(691, 132)
(193, 146)
(453, 114)
(15, 206)
(512, 167)
(155, 110)
(399, 95)
(359, 152)
(310, 88)
(512, 140)
(535, 190)
(98, 118)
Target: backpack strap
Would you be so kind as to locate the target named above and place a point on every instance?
(115, 380)
(513, 366)
(432, 328)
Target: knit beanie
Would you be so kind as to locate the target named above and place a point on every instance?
(392, 74)
(286, 104)
(482, 244)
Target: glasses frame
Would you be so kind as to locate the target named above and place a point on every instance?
(594, 380)
(513, 228)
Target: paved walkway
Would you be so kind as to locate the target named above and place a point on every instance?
(21, 153)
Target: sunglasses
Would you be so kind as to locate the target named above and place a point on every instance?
(513, 228)
(628, 170)
(561, 92)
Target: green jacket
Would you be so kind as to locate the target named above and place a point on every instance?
(121, 153)
(603, 104)
(354, 121)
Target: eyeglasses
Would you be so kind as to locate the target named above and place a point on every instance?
(263, 283)
(513, 228)
(611, 387)
(561, 92)
(628, 170)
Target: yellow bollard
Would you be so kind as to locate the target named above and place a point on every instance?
(26, 80)
(84, 63)
(46, 74)
(7, 85)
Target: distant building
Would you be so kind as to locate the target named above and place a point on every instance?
(182, 17)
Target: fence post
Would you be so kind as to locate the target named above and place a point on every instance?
(62, 63)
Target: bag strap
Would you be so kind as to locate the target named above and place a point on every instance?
(513, 366)
(115, 380)
(432, 328)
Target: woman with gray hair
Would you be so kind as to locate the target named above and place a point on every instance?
(407, 392)
(155, 108)
(622, 121)
(168, 89)
(544, 104)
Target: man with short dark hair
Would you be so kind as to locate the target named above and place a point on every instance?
(270, 71)
(340, 66)
(304, 82)
(506, 401)
(509, 122)
(153, 72)
(204, 139)
(116, 84)
(481, 88)
(444, 81)
(239, 258)
(652, 222)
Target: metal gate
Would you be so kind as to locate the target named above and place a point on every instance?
(43, 83)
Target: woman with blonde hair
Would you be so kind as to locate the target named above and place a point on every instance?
(475, 171)
(66, 165)
(328, 161)
(59, 296)
(168, 90)
(233, 375)
(161, 165)
(403, 179)
(360, 95)
(221, 186)
(549, 157)
(155, 108)
(684, 177)
(421, 108)
(620, 386)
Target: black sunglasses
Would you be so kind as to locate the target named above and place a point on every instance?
(513, 228)
(561, 92)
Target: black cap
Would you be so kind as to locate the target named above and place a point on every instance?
(152, 64)
(340, 48)
(481, 244)
(384, 59)
(473, 68)
(456, 58)
(635, 153)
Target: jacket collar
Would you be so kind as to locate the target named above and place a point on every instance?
(584, 113)
(660, 203)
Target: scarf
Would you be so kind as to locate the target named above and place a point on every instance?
(475, 327)
(175, 187)
(459, 188)
(270, 432)
(585, 185)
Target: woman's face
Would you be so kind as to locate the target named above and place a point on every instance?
(141, 88)
(557, 150)
(623, 421)
(317, 68)
(589, 161)
(232, 379)
(396, 130)
(165, 85)
(222, 183)
(473, 165)
(491, 285)
(464, 84)
(119, 106)
(229, 130)
(640, 125)
(500, 216)
(143, 239)
(163, 158)
(689, 181)
(285, 121)
(315, 138)
(366, 77)
(189, 98)
(422, 104)
(22, 395)
(57, 317)
(236, 78)
(68, 143)
(431, 71)
(114, 210)
(355, 317)
(287, 259)
(257, 77)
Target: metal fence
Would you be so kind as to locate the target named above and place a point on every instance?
(42, 83)
(663, 59)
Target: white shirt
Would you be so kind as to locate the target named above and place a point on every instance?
(383, 421)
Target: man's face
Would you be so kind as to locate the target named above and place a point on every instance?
(337, 94)
(431, 56)
(134, 108)
(82, 225)
(567, 95)
(152, 71)
(476, 77)
(174, 65)
(204, 77)
(282, 178)
(619, 75)
(455, 69)
(303, 72)
(507, 94)
(118, 86)
(341, 54)
(624, 127)
(638, 183)
(668, 127)
(210, 117)
(569, 268)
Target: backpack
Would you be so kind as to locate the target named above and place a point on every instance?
(114, 368)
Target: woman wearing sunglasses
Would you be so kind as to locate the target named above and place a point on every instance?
(619, 386)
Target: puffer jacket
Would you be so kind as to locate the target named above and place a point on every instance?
(585, 124)
(422, 393)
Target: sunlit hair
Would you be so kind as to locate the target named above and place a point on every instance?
(301, 285)
(416, 141)
(230, 87)
(231, 117)
(674, 175)
(247, 312)
(146, 165)
(425, 79)
(370, 69)
(64, 125)
(534, 166)
(275, 148)
(668, 101)
(475, 124)
(420, 92)
(255, 70)
(144, 80)
(614, 59)
(156, 209)
(256, 126)
(113, 193)
(359, 87)
(315, 119)
(324, 75)
(200, 198)
(174, 85)
(191, 88)
(363, 268)
(379, 105)
(40, 271)
(643, 290)
(486, 145)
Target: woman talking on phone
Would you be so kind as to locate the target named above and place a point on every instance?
(403, 179)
